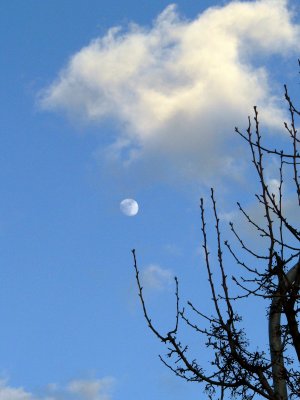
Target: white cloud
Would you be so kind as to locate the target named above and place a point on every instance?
(10, 393)
(93, 389)
(274, 186)
(177, 89)
(250, 235)
(156, 277)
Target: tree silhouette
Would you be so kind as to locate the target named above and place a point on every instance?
(273, 276)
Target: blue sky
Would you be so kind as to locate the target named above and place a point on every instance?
(91, 115)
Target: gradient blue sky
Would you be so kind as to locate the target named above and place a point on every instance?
(147, 113)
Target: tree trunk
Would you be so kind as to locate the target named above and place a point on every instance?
(276, 345)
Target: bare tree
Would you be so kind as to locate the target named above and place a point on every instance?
(273, 276)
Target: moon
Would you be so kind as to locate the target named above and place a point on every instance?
(129, 207)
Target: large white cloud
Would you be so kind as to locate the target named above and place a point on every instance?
(177, 89)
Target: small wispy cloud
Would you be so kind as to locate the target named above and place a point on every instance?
(156, 278)
(99, 389)
(173, 249)
(93, 389)
(177, 89)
